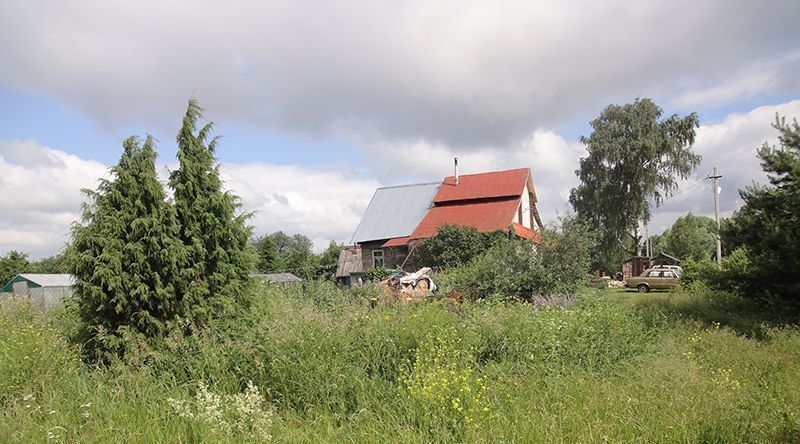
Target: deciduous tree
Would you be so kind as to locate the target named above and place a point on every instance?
(12, 264)
(454, 245)
(690, 237)
(635, 158)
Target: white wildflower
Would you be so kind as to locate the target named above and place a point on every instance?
(242, 413)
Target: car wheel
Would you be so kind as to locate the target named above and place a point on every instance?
(643, 288)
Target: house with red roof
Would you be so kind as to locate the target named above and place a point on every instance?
(399, 217)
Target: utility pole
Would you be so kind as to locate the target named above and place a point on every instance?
(714, 176)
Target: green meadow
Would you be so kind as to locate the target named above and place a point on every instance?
(317, 364)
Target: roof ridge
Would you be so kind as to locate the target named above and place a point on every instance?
(490, 172)
(408, 185)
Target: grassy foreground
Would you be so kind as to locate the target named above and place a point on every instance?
(684, 366)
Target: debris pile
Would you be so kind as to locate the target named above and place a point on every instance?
(407, 287)
(616, 284)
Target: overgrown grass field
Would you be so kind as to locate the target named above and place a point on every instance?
(318, 365)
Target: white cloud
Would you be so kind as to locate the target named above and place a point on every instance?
(322, 204)
(774, 76)
(551, 158)
(730, 145)
(463, 73)
(40, 196)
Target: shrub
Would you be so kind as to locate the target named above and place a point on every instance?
(376, 274)
(520, 269)
(455, 245)
(735, 276)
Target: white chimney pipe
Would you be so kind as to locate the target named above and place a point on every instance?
(455, 163)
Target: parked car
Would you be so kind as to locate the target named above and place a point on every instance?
(676, 268)
(654, 278)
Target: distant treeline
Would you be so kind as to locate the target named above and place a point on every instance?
(281, 252)
(15, 262)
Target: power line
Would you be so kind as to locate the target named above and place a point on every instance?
(696, 183)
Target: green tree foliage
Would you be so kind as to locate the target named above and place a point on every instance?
(281, 252)
(689, 237)
(768, 224)
(518, 269)
(213, 231)
(126, 251)
(55, 264)
(454, 245)
(376, 274)
(299, 258)
(267, 255)
(12, 264)
(659, 242)
(634, 160)
(328, 260)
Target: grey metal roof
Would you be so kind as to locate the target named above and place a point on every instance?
(395, 211)
(49, 280)
(277, 278)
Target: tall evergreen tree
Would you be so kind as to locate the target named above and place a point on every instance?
(267, 252)
(768, 224)
(125, 251)
(214, 236)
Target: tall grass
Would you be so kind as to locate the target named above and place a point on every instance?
(656, 368)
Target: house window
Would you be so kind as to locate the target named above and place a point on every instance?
(377, 258)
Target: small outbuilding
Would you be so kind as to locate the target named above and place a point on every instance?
(664, 259)
(45, 290)
(638, 264)
(349, 268)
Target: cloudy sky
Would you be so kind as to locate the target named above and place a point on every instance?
(319, 103)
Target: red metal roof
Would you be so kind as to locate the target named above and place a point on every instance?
(396, 242)
(484, 216)
(484, 185)
(526, 233)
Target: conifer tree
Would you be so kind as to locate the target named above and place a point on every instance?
(126, 251)
(768, 224)
(215, 237)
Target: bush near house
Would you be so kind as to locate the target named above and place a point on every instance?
(514, 268)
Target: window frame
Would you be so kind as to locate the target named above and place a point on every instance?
(382, 258)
